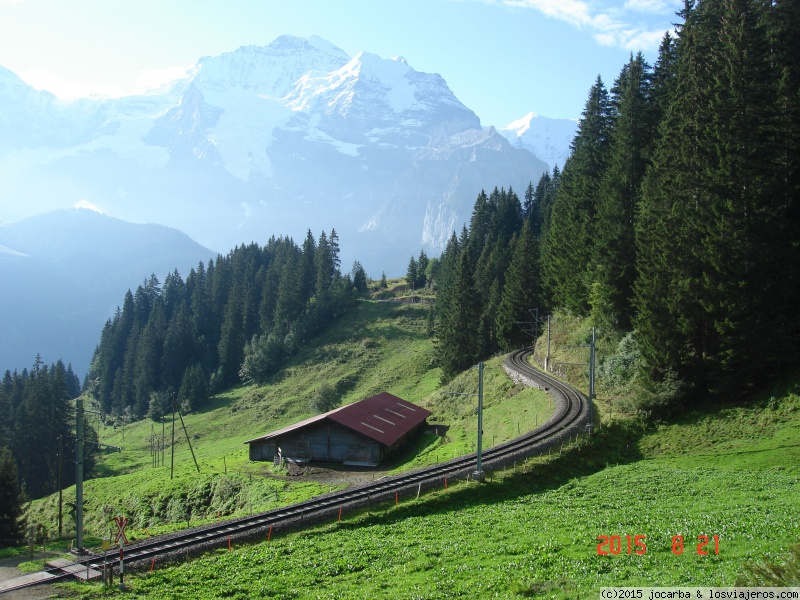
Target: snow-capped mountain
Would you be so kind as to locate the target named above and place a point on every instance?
(267, 140)
(548, 139)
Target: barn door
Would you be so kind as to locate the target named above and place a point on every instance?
(302, 449)
(358, 452)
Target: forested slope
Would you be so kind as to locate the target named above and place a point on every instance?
(673, 226)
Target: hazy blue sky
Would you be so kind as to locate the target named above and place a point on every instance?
(502, 58)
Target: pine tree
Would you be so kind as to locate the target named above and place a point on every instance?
(359, 279)
(12, 527)
(289, 303)
(308, 276)
(232, 340)
(422, 269)
(458, 313)
(324, 266)
(480, 225)
(783, 28)
(569, 243)
(521, 291)
(411, 273)
(529, 208)
(614, 265)
(194, 388)
(711, 231)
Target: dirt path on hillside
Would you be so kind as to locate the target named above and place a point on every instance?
(351, 477)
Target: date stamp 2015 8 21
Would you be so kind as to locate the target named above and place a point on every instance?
(637, 544)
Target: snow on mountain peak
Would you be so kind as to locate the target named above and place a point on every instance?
(271, 70)
(365, 74)
(520, 126)
(391, 75)
(548, 139)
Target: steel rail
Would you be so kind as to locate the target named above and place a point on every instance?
(569, 416)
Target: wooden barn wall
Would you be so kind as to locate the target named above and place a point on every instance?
(263, 450)
(326, 441)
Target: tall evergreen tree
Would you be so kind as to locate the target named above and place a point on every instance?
(12, 529)
(422, 269)
(232, 340)
(308, 268)
(706, 295)
(570, 240)
(528, 207)
(458, 316)
(359, 279)
(521, 291)
(613, 261)
(411, 273)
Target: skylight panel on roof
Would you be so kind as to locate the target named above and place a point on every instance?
(371, 427)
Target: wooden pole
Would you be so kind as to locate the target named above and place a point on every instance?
(188, 441)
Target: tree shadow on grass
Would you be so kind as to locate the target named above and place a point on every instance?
(613, 445)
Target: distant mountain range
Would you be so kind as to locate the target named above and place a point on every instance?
(65, 272)
(274, 140)
(548, 139)
(266, 140)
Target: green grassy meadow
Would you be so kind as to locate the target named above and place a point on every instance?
(381, 346)
(534, 532)
(531, 531)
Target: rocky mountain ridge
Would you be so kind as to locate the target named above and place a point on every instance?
(267, 140)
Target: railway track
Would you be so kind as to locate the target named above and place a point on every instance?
(569, 416)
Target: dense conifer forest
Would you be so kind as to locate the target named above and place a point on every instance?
(674, 225)
(233, 320)
(37, 429)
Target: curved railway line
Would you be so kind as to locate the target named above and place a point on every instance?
(569, 416)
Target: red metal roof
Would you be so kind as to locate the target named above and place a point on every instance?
(384, 418)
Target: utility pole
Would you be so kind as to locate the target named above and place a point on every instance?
(79, 474)
(547, 356)
(590, 424)
(163, 437)
(172, 460)
(60, 487)
(79, 447)
(188, 441)
(479, 474)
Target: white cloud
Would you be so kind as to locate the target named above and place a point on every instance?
(574, 12)
(645, 39)
(82, 203)
(610, 23)
(649, 6)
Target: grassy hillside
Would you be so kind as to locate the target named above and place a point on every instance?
(532, 531)
(380, 346)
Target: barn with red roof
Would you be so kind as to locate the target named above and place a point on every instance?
(361, 433)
